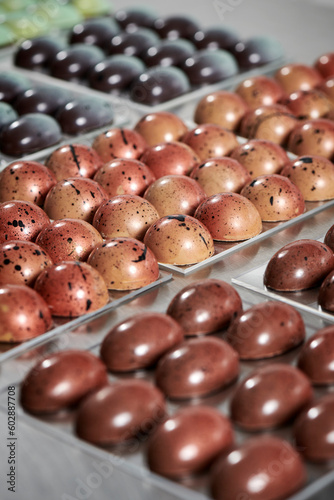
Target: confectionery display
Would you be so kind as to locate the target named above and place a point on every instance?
(166, 253)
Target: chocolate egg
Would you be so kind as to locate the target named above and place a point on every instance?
(161, 126)
(21, 301)
(260, 157)
(308, 104)
(210, 66)
(257, 51)
(263, 467)
(229, 217)
(125, 263)
(41, 99)
(275, 197)
(115, 73)
(313, 137)
(139, 341)
(313, 175)
(26, 181)
(133, 17)
(180, 240)
(176, 26)
(270, 396)
(327, 87)
(124, 176)
(205, 306)
(259, 90)
(37, 53)
(168, 52)
(314, 428)
(73, 63)
(196, 368)
(325, 64)
(68, 239)
(119, 143)
(74, 198)
(72, 288)
(11, 85)
(61, 380)
(94, 31)
(119, 412)
(28, 134)
(73, 160)
(7, 114)
(131, 43)
(293, 77)
(188, 442)
(222, 108)
(175, 194)
(170, 158)
(266, 329)
(21, 262)
(125, 215)
(299, 265)
(316, 358)
(329, 238)
(21, 220)
(215, 37)
(84, 114)
(219, 175)
(209, 141)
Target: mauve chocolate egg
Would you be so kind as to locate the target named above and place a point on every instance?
(21, 301)
(37, 53)
(119, 412)
(293, 77)
(187, 442)
(84, 114)
(205, 306)
(222, 108)
(196, 368)
(275, 197)
(119, 143)
(210, 141)
(73, 160)
(259, 90)
(61, 380)
(170, 158)
(314, 428)
(261, 157)
(210, 66)
(21, 220)
(316, 358)
(139, 341)
(313, 137)
(72, 288)
(229, 217)
(180, 240)
(266, 329)
(263, 467)
(161, 126)
(176, 26)
(299, 265)
(270, 396)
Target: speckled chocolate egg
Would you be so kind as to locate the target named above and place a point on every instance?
(119, 143)
(260, 157)
(26, 180)
(327, 87)
(175, 194)
(125, 215)
(270, 396)
(21, 220)
(209, 141)
(161, 126)
(294, 76)
(205, 306)
(72, 288)
(259, 90)
(299, 265)
(60, 380)
(139, 341)
(124, 176)
(229, 217)
(272, 123)
(69, 239)
(222, 108)
(188, 442)
(21, 301)
(196, 368)
(21, 262)
(309, 104)
(275, 197)
(74, 198)
(73, 160)
(219, 175)
(262, 467)
(265, 330)
(180, 240)
(316, 358)
(170, 158)
(313, 137)
(313, 430)
(313, 175)
(120, 412)
(329, 237)
(125, 263)
(325, 64)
